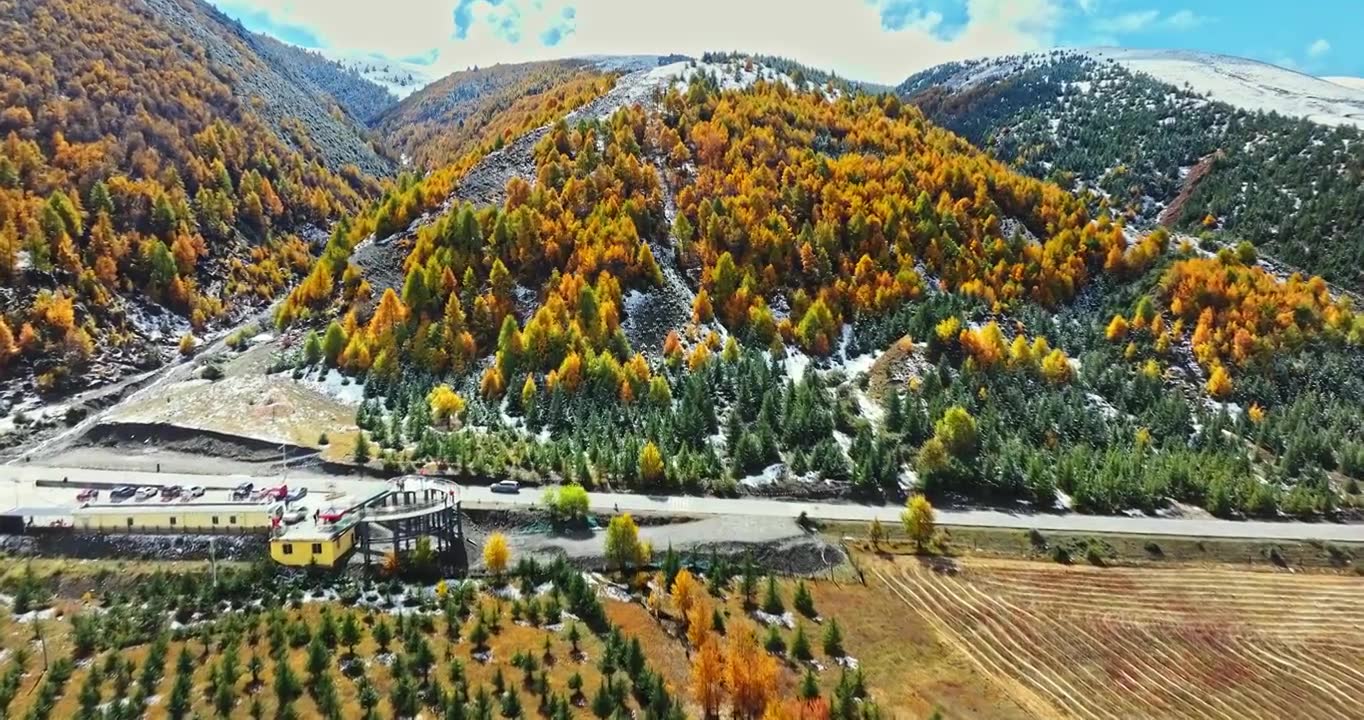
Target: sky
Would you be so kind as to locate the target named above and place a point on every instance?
(872, 40)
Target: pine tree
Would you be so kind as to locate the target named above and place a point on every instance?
(800, 644)
(804, 602)
(772, 604)
(833, 639)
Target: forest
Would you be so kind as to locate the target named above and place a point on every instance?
(1134, 140)
(134, 178)
(1059, 359)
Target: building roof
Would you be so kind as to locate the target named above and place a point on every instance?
(170, 508)
(309, 531)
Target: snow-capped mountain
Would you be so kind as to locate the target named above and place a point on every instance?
(1354, 83)
(398, 77)
(1247, 84)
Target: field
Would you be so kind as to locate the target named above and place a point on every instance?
(1102, 643)
(166, 642)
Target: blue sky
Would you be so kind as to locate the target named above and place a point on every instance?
(877, 40)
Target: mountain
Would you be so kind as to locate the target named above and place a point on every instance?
(718, 277)
(436, 125)
(158, 176)
(1156, 148)
(1247, 84)
(399, 78)
(363, 98)
(1353, 83)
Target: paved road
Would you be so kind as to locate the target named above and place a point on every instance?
(20, 480)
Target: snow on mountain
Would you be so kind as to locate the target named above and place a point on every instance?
(398, 77)
(1247, 84)
(1353, 83)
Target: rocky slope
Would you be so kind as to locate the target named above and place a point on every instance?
(361, 98)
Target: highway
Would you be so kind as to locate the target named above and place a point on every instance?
(18, 489)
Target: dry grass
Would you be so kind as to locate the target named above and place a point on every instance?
(910, 670)
(250, 403)
(1115, 548)
(1085, 642)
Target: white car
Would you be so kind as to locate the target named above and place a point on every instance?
(195, 491)
(294, 516)
(146, 491)
(509, 487)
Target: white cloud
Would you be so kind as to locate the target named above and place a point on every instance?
(1128, 22)
(1185, 20)
(1088, 7)
(1319, 48)
(843, 35)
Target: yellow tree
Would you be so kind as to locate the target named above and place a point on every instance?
(1219, 382)
(446, 404)
(698, 622)
(623, 547)
(387, 316)
(650, 463)
(1056, 367)
(876, 533)
(8, 348)
(686, 591)
(496, 554)
(1117, 329)
(750, 674)
(918, 519)
(708, 678)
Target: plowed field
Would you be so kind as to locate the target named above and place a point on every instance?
(1120, 643)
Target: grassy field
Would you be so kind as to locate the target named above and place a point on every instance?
(991, 638)
(1116, 548)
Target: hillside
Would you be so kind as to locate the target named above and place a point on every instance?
(362, 98)
(707, 280)
(1156, 149)
(157, 177)
(1246, 84)
(438, 124)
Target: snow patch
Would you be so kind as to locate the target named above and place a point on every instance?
(1247, 84)
(398, 77)
(769, 476)
(337, 386)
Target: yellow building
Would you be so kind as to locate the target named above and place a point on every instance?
(174, 517)
(309, 544)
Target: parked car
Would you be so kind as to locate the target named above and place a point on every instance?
(275, 493)
(296, 495)
(294, 516)
(170, 492)
(195, 491)
(145, 492)
(506, 487)
(243, 491)
(88, 495)
(123, 491)
(332, 516)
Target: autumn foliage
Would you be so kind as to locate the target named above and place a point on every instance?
(130, 166)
